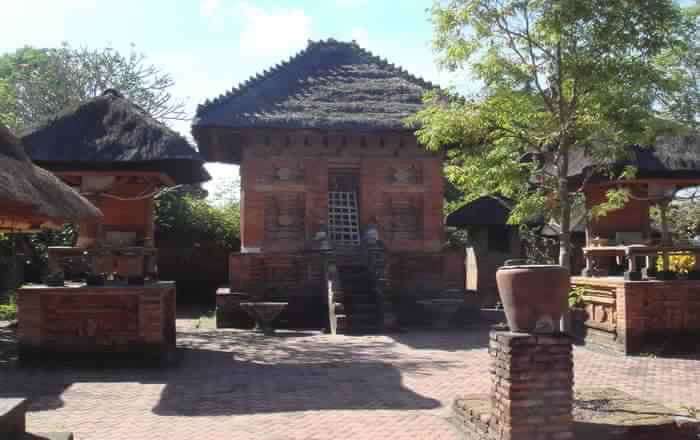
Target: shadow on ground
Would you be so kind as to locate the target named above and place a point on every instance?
(238, 372)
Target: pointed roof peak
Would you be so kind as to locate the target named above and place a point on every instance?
(330, 83)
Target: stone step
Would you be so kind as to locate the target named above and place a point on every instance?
(12, 418)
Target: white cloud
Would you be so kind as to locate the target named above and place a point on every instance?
(273, 29)
(208, 7)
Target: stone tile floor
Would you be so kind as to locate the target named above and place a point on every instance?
(238, 385)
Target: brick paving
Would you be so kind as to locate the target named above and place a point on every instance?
(238, 385)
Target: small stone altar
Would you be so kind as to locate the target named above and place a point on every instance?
(99, 324)
(264, 314)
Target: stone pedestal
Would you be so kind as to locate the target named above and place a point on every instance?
(531, 398)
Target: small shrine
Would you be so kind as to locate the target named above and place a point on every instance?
(119, 158)
(628, 297)
(341, 208)
(103, 296)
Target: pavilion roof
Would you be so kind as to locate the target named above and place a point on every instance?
(35, 191)
(484, 211)
(110, 133)
(330, 85)
(671, 157)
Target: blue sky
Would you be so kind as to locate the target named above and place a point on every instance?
(211, 45)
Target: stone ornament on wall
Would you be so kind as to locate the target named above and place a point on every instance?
(404, 217)
(284, 216)
(407, 175)
(291, 173)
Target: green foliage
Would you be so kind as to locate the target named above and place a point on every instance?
(184, 220)
(576, 297)
(37, 83)
(560, 78)
(8, 309)
(683, 220)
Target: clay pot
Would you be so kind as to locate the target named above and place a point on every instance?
(534, 296)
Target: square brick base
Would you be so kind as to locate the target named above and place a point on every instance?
(531, 390)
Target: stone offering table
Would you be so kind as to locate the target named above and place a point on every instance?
(97, 323)
(264, 313)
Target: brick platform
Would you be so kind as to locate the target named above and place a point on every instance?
(634, 316)
(96, 323)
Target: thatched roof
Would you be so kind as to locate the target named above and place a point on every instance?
(110, 133)
(487, 211)
(672, 157)
(481, 212)
(328, 85)
(34, 192)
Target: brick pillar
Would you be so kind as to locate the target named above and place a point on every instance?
(532, 386)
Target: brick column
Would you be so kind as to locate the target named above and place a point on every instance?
(532, 386)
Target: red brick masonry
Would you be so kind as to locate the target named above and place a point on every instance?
(110, 321)
(627, 315)
(532, 387)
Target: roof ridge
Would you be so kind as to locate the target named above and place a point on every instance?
(244, 86)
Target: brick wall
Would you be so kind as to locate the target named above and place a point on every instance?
(296, 278)
(284, 187)
(64, 322)
(627, 316)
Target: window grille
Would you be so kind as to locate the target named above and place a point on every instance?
(343, 219)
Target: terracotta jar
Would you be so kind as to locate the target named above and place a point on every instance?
(534, 296)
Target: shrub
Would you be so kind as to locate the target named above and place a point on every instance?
(186, 221)
(677, 263)
(8, 311)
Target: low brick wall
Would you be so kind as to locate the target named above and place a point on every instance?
(96, 322)
(629, 316)
(296, 278)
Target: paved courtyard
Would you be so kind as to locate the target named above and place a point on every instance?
(238, 385)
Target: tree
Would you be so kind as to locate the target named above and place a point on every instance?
(42, 82)
(683, 102)
(559, 77)
(186, 220)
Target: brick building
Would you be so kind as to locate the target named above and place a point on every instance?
(331, 172)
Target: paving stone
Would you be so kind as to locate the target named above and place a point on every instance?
(305, 386)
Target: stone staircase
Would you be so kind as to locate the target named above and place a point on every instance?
(13, 422)
(360, 311)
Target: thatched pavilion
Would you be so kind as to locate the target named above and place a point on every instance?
(32, 197)
(328, 163)
(626, 303)
(120, 158)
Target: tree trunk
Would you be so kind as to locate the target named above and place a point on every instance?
(565, 206)
(565, 233)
